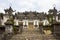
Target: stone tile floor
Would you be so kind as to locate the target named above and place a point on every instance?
(29, 35)
(32, 35)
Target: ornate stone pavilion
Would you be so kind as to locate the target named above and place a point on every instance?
(27, 20)
(31, 24)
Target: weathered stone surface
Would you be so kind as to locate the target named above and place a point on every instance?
(32, 35)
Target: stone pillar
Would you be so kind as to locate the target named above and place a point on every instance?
(41, 29)
(57, 29)
(57, 18)
(20, 28)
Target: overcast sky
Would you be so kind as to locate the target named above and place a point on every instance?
(27, 5)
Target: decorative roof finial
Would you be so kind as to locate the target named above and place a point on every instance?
(10, 4)
(54, 6)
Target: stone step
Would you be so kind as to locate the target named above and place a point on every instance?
(34, 37)
(30, 32)
(30, 38)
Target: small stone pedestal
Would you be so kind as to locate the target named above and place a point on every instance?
(8, 28)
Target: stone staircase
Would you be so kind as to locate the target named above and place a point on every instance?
(32, 35)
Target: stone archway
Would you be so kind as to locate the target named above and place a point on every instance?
(41, 29)
(20, 27)
(30, 26)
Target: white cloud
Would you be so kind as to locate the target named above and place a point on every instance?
(2, 6)
(26, 5)
(44, 5)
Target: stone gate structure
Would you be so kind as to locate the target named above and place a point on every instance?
(29, 21)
